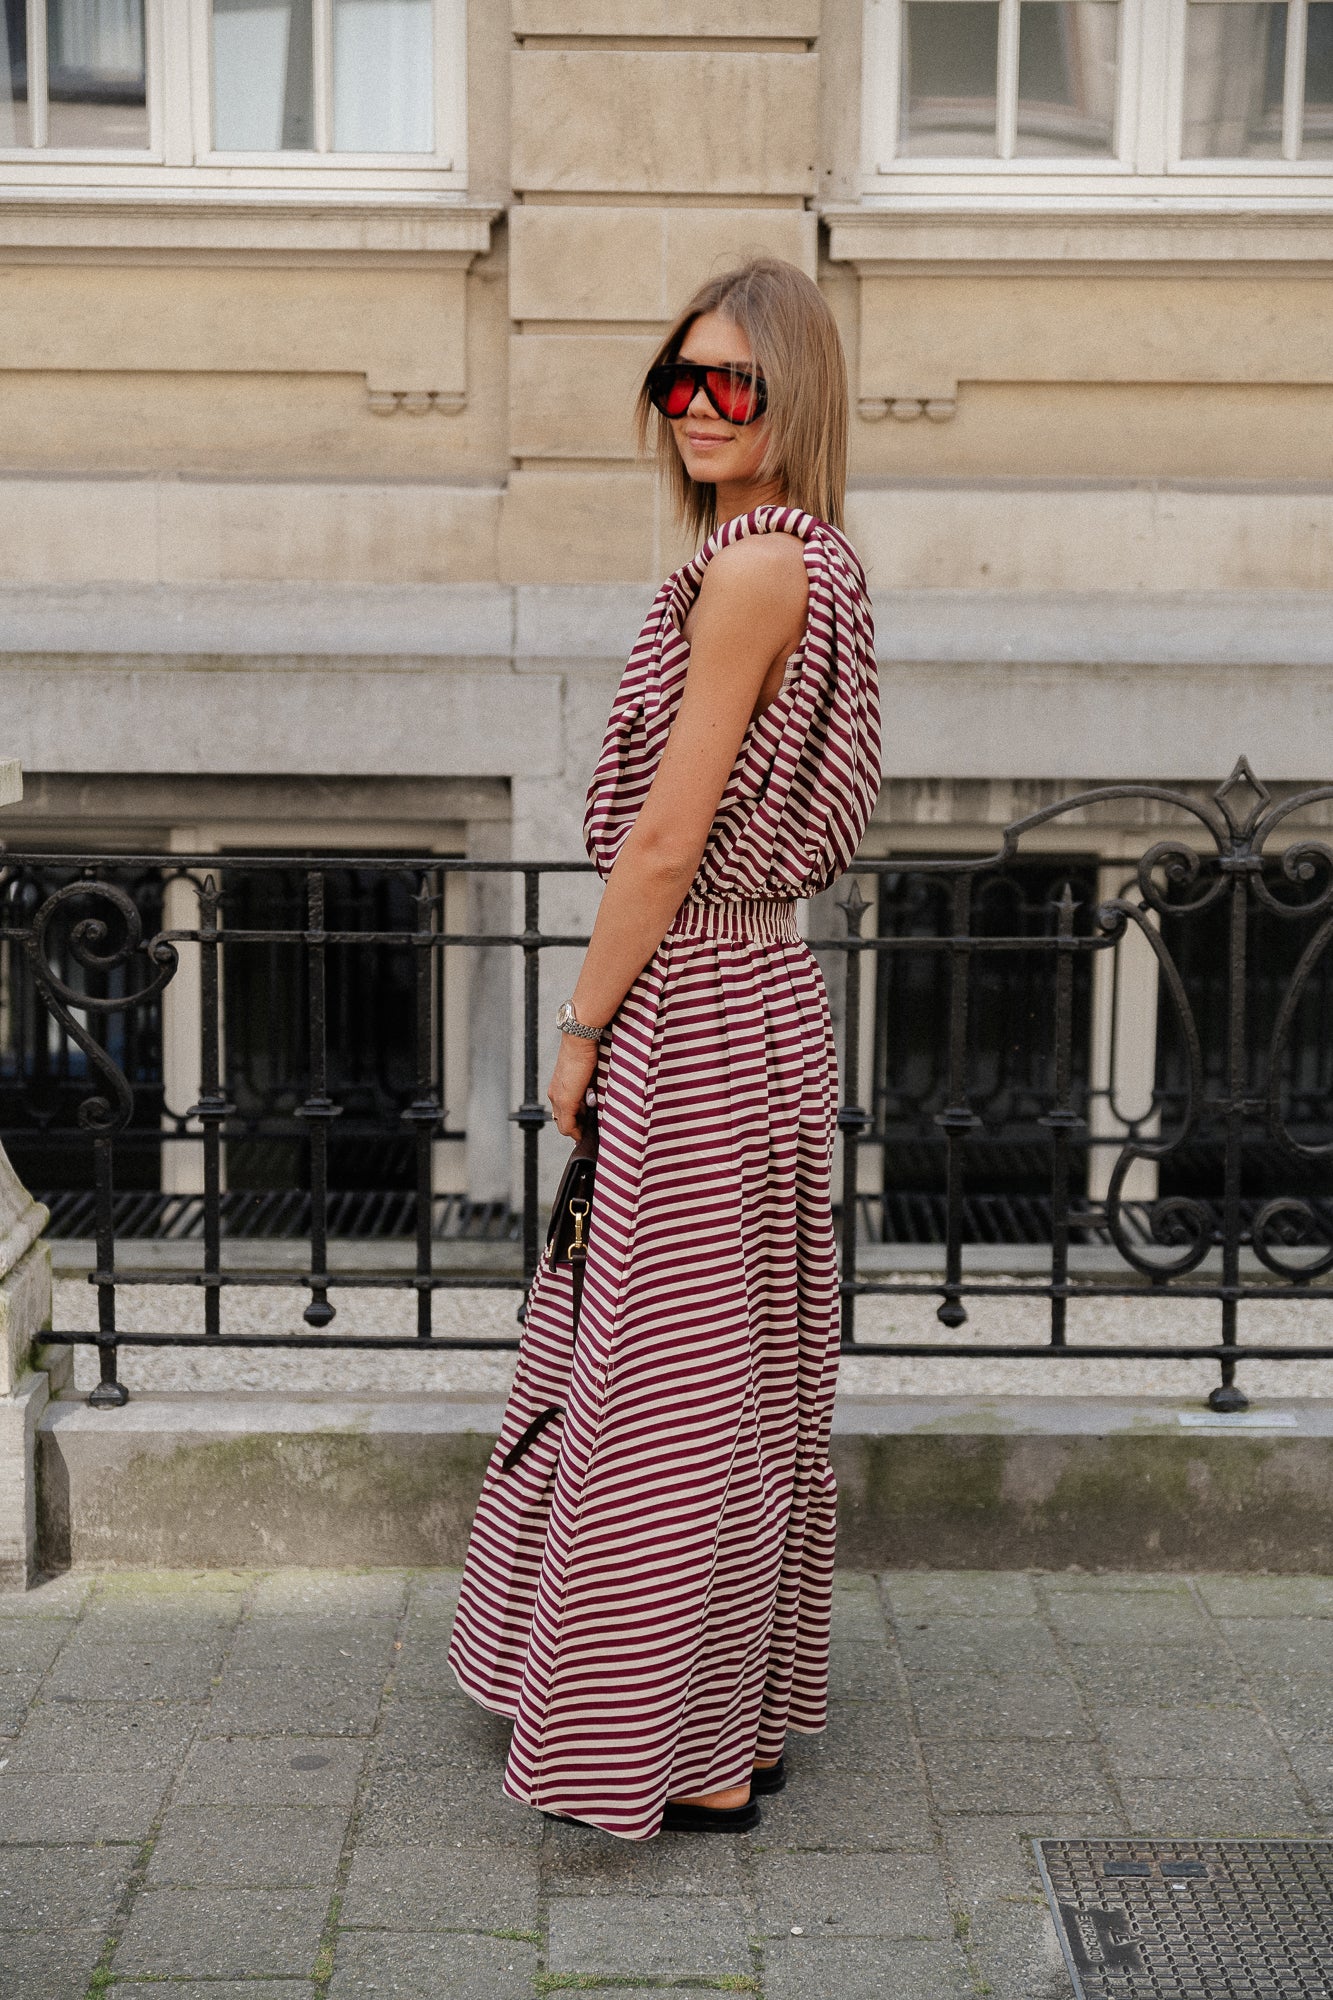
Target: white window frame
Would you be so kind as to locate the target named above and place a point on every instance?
(1146, 158)
(178, 65)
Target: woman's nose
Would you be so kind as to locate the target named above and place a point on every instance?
(700, 405)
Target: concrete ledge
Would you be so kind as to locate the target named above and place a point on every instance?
(585, 622)
(259, 620)
(1197, 628)
(355, 719)
(1046, 1483)
(235, 1480)
(209, 1481)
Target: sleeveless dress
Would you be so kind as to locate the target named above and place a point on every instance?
(648, 1591)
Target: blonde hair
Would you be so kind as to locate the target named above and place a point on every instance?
(798, 351)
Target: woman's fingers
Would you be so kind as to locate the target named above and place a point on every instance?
(567, 1110)
(569, 1085)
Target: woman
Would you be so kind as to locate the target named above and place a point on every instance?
(647, 1590)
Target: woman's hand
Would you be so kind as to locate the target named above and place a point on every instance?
(574, 1069)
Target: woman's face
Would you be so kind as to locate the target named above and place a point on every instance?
(716, 452)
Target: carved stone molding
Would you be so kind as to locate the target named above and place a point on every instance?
(403, 329)
(417, 402)
(195, 283)
(939, 409)
(1138, 234)
(1138, 296)
(922, 334)
(190, 223)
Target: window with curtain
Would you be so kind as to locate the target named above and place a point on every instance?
(15, 129)
(96, 85)
(73, 74)
(341, 76)
(374, 83)
(1258, 80)
(1001, 79)
(1044, 88)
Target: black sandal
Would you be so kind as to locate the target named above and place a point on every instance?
(766, 1778)
(679, 1818)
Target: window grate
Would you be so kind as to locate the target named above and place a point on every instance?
(908, 1216)
(277, 1214)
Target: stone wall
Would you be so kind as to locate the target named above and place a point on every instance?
(341, 385)
(320, 508)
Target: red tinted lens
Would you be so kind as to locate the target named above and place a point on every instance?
(672, 390)
(736, 396)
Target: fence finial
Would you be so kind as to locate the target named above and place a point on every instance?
(1242, 797)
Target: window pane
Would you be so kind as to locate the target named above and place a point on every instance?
(1068, 65)
(95, 73)
(950, 55)
(263, 76)
(1234, 57)
(13, 73)
(382, 71)
(1317, 142)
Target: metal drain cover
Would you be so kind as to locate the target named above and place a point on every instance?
(1193, 1919)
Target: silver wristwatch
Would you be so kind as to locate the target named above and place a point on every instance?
(568, 1024)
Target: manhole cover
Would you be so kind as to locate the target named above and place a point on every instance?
(1193, 1919)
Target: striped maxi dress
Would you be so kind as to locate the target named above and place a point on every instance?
(647, 1592)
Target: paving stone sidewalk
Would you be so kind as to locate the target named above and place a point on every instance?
(267, 1787)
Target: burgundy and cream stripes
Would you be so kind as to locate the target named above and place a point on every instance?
(647, 1593)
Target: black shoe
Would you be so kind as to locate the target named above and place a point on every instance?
(771, 1778)
(677, 1818)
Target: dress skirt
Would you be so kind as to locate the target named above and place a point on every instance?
(648, 1590)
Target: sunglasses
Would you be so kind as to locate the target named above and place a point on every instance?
(737, 397)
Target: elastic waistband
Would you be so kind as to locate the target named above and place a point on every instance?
(765, 921)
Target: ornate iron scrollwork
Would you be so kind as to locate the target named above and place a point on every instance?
(91, 947)
(94, 945)
(1174, 1216)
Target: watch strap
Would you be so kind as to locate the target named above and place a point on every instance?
(569, 1025)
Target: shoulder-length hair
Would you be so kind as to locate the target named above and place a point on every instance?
(798, 351)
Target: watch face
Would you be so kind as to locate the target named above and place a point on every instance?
(565, 1015)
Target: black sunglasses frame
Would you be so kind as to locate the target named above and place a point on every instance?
(667, 373)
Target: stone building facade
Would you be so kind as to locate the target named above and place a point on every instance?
(320, 323)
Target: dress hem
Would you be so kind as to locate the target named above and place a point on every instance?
(491, 1707)
(583, 1819)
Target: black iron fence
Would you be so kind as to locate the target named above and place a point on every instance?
(317, 1014)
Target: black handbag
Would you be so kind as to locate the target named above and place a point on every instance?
(566, 1247)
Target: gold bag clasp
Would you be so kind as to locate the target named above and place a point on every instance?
(579, 1210)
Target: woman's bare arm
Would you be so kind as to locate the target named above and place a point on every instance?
(751, 607)
(750, 613)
